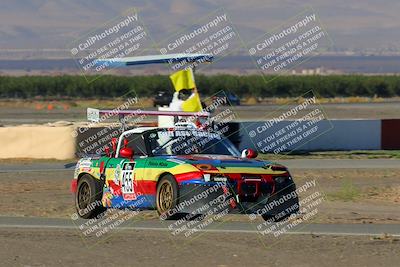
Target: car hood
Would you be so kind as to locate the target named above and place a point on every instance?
(220, 160)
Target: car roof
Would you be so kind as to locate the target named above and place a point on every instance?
(143, 129)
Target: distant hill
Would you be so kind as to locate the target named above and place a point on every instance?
(367, 26)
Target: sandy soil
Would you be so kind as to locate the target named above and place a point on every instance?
(352, 196)
(27, 247)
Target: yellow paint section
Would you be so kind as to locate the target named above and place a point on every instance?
(152, 174)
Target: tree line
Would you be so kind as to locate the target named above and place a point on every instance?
(108, 86)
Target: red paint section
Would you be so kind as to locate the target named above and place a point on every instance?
(390, 134)
(146, 187)
(74, 185)
(115, 188)
(233, 176)
(188, 176)
(102, 167)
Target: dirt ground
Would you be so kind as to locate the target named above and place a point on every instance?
(350, 195)
(27, 247)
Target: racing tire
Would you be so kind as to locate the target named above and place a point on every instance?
(167, 198)
(88, 197)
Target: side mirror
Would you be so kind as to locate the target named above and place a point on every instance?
(249, 153)
(126, 152)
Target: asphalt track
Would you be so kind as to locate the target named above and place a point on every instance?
(225, 227)
(291, 164)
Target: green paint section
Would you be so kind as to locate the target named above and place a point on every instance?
(159, 163)
(139, 162)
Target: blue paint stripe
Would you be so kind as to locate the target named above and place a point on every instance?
(143, 201)
(198, 182)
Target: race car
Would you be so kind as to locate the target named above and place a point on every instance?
(181, 170)
(186, 168)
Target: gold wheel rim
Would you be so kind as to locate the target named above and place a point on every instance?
(84, 195)
(166, 197)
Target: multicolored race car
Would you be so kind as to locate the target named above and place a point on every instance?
(181, 170)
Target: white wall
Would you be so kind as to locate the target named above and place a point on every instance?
(331, 135)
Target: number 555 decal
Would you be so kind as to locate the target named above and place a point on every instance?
(128, 187)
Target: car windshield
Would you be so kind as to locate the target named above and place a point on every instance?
(189, 141)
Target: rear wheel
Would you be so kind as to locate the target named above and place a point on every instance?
(88, 197)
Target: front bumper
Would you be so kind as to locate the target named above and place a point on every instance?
(201, 197)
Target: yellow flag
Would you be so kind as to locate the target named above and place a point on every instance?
(192, 104)
(183, 79)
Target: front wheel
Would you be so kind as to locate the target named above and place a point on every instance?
(88, 197)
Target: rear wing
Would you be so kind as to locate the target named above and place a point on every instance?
(98, 115)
